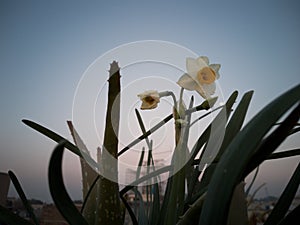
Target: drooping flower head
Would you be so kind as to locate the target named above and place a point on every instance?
(150, 99)
(200, 76)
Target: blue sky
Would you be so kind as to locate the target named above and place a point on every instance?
(47, 46)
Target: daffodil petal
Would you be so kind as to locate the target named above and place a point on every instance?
(187, 82)
(217, 75)
(200, 90)
(146, 105)
(152, 93)
(192, 66)
(204, 58)
(216, 68)
(209, 89)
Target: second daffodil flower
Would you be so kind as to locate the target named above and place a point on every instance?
(200, 76)
(150, 99)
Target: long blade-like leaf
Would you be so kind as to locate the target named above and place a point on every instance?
(270, 143)
(155, 208)
(8, 217)
(138, 171)
(142, 126)
(175, 199)
(203, 139)
(191, 215)
(22, 196)
(276, 155)
(52, 135)
(145, 178)
(131, 213)
(252, 181)
(285, 199)
(89, 193)
(57, 138)
(205, 135)
(292, 218)
(233, 127)
(58, 191)
(236, 121)
(142, 218)
(140, 138)
(284, 154)
(88, 175)
(230, 169)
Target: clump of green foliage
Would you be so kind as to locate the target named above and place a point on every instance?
(217, 198)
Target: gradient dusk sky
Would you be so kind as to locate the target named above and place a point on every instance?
(47, 45)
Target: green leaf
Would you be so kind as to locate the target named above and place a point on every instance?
(285, 199)
(213, 152)
(236, 122)
(8, 217)
(57, 138)
(205, 115)
(203, 139)
(166, 199)
(252, 181)
(52, 135)
(151, 131)
(284, 154)
(58, 191)
(175, 200)
(206, 105)
(142, 218)
(205, 135)
(232, 166)
(292, 218)
(145, 178)
(191, 215)
(196, 189)
(131, 213)
(272, 141)
(155, 207)
(192, 182)
(22, 196)
(254, 193)
(87, 197)
(142, 126)
(89, 179)
(237, 214)
(295, 130)
(138, 172)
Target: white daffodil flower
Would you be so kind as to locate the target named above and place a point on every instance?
(200, 76)
(150, 99)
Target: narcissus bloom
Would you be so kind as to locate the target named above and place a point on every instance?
(200, 76)
(150, 99)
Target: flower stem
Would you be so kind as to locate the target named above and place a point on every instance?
(181, 95)
(168, 93)
(178, 117)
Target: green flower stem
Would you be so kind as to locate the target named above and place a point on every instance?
(181, 96)
(168, 93)
(179, 115)
(176, 109)
(176, 199)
